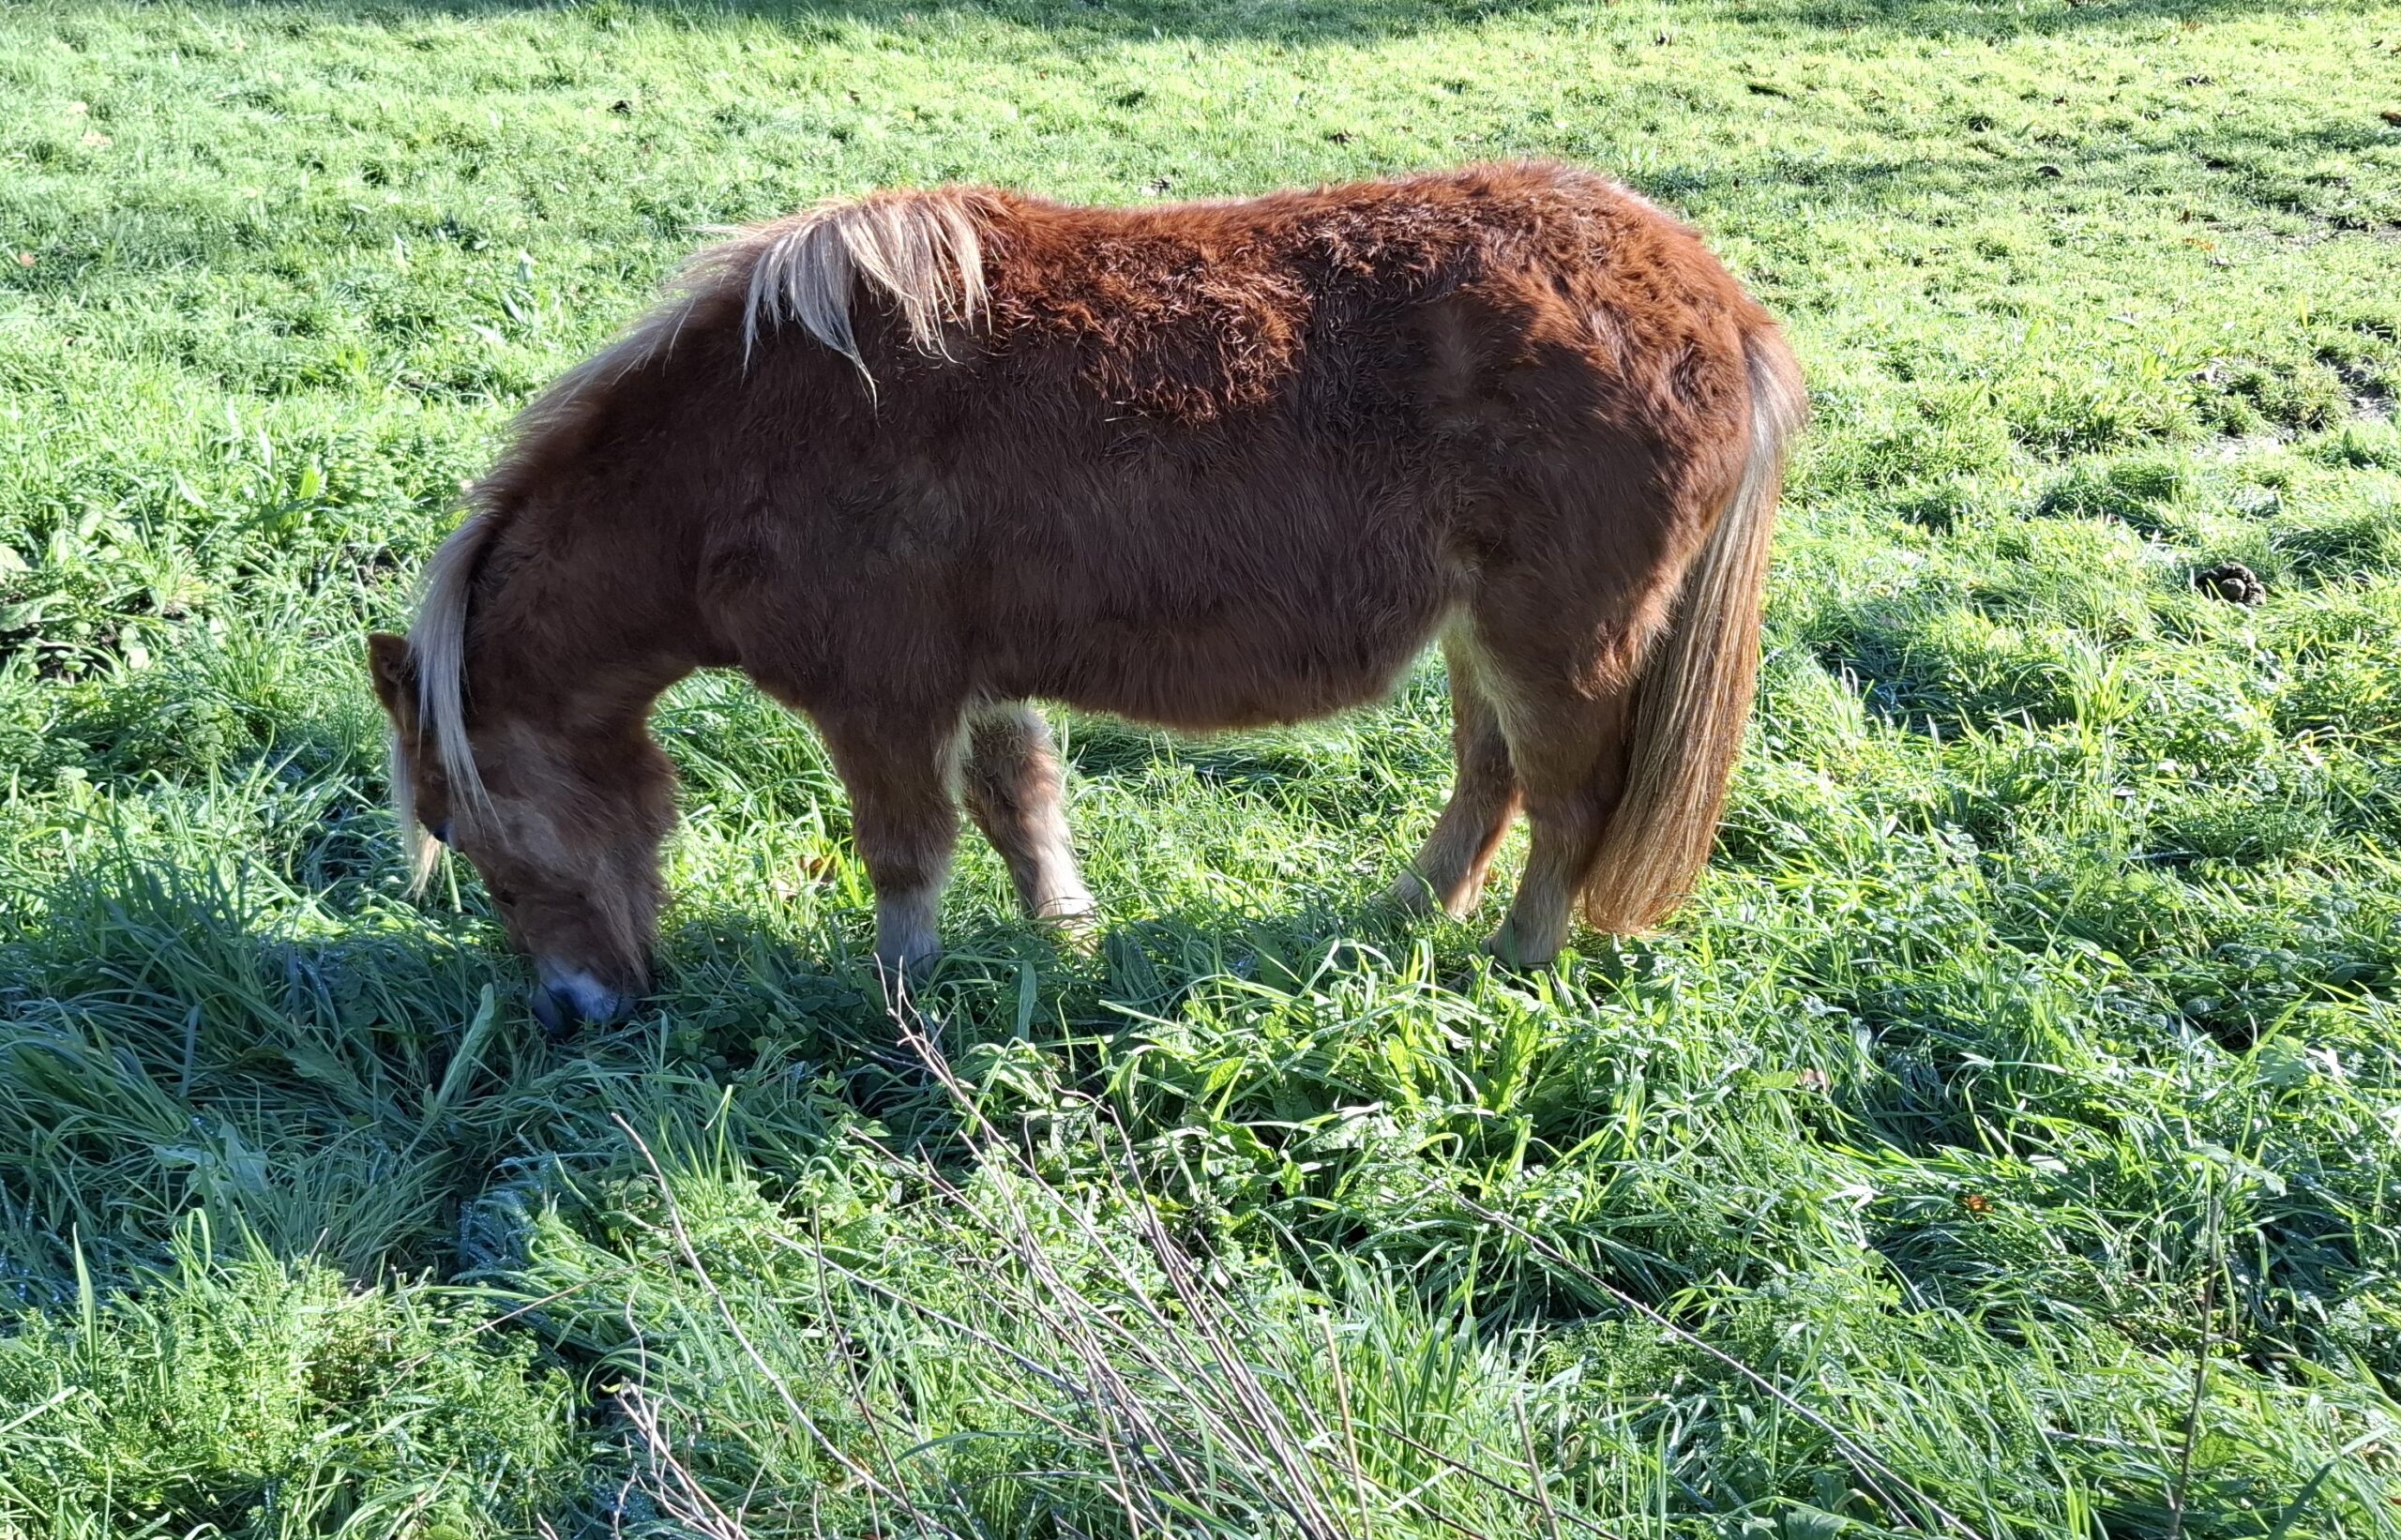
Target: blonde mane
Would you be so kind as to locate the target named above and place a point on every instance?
(922, 251)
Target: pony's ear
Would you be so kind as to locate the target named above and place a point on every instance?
(394, 668)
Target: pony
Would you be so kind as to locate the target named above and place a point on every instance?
(917, 459)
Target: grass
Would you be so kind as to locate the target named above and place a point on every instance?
(2006, 1142)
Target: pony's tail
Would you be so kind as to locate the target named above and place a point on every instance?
(1694, 695)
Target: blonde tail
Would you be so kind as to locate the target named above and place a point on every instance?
(1697, 683)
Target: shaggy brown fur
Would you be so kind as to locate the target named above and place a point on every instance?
(1209, 465)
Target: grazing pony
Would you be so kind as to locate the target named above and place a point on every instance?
(915, 460)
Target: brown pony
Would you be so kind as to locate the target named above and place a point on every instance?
(913, 461)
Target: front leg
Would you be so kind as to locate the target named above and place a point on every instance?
(902, 777)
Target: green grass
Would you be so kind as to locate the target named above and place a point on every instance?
(2006, 1140)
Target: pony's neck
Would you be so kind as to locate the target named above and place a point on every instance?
(576, 639)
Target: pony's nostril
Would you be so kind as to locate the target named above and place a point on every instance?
(441, 832)
(553, 1009)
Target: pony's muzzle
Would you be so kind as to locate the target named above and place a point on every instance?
(565, 999)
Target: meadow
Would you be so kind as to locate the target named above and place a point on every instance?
(2005, 1141)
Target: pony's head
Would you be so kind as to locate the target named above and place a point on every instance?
(562, 820)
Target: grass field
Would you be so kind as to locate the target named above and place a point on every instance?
(2005, 1142)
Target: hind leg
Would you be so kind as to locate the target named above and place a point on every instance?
(901, 775)
(1449, 870)
(1013, 792)
(1566, 734)
(1568, 818)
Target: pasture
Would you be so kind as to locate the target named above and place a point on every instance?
(2004, 1141)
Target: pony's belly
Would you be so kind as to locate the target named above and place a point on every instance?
(1252, 669)
(1195, 701)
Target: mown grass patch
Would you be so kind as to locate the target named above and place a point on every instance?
(2004, 1141)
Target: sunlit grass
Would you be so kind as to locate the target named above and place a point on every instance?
(2006, 1140)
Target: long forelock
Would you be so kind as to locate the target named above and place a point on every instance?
(438, 646)
(419, 848)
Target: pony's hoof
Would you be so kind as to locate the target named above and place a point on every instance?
(1410, 898)
(1504, 947)
(1073, 926)
(904, 976)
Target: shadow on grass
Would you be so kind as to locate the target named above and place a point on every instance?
(337, 1084)
(2002, 19)
(1320, 21)
(1067, 21)
(2278, 172)
(346, 1083)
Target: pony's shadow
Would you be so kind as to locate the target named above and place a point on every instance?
(358, 1081)
(1009, 979)
(344, 1075)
